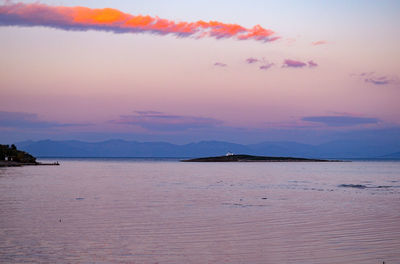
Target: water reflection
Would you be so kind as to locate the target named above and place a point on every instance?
(143, 211)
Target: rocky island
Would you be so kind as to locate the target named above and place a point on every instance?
(10, 156)
(251, 158)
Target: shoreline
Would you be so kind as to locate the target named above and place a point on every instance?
(21, 164)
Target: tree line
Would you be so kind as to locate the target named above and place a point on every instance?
(11, 153)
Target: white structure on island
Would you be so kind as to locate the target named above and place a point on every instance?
(229, 154)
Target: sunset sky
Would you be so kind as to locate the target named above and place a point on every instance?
(183, 71)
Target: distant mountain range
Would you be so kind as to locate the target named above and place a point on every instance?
(122, 148)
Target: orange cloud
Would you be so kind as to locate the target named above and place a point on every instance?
(108, 19)
(319, 42)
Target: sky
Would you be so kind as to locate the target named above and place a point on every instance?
(184, 71)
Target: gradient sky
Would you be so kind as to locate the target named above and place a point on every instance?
(333, 73)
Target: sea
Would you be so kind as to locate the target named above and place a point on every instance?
(166, 211)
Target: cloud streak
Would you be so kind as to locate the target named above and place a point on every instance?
(158, 121)
(341, 121)
(20, 120)
(112, 20)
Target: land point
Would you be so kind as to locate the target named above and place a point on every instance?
(251, 158)
(10, 156)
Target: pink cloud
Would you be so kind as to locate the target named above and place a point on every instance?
(113, 20)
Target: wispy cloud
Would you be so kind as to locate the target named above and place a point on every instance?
(113, 20)
(312, 64)
(376, 79)
(319, 42)
(252, 60)
(220, 64)
(20, 120)
(157, 121)
(288, 63)
(341, 121)
(266, 66)
(381, 80)
(148, 112)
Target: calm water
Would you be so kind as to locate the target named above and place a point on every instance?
(143, 211)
